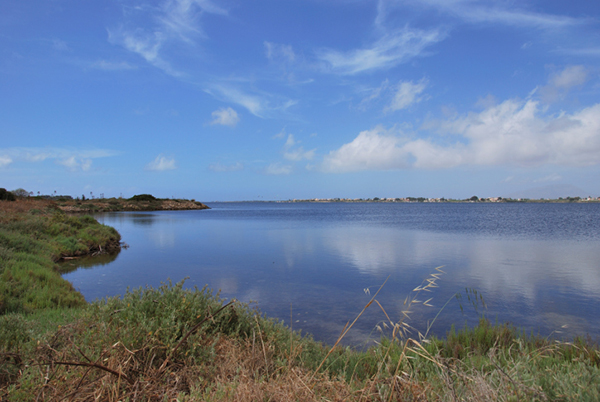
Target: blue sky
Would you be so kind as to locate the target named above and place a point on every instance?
(272, 99)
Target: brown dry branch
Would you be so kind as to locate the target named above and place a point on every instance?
(98, 366)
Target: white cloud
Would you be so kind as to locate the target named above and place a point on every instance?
(5, 161)
(513, 133)
(390, 50)
(376, 149)
(112, 65)
(278, 169)
(407, 93)
(161, 163)
(74, 163)
(225, 117)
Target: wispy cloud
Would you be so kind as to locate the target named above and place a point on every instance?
(283, 53)
(72, 159)
(295, 153)
(561, 82)
(5, 161)
(225, 117)
(513, 133)
(112, 65)
(406, 93)
(480, 12)
(146, 45)
(173, 20)
(74, 163)
(581, 51)
(259, 104)
(391, 49)
(161, 163)
(60, 45)
(254, 104)
(569, 77)
(181, 17)
(278, 169)
(397, 97)
(218, 167)
(551, 177)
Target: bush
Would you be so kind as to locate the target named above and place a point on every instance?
(6, 195)
(143, 197)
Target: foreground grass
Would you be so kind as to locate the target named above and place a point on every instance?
(34, 235)
(176, 344)
(173, 343)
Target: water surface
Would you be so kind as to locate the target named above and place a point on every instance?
(536, 265)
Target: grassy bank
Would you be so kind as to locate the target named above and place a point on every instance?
(34, 235)
(173, 343)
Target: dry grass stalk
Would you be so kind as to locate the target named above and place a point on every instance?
(348, 327)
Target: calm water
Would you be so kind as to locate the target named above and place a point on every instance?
(536, 265)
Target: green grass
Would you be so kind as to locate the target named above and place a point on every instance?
(31, 242)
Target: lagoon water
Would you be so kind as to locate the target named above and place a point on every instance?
(315, 265)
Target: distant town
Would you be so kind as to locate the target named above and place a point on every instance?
(471, 199)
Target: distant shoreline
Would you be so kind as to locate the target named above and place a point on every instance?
(493, 200)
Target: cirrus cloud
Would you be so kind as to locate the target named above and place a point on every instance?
(390, 50)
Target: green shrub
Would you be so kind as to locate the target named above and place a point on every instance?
(143, 197)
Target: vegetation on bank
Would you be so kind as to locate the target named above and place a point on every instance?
(141, 202)
(34, 235)
(187, 345)
(182, 344)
